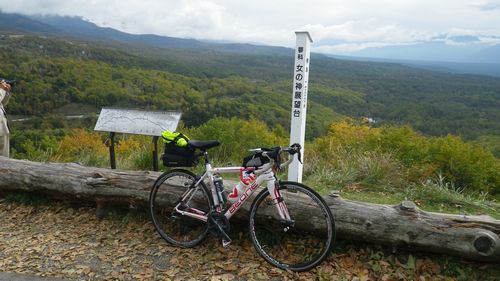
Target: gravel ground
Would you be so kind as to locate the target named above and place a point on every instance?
(58, 240)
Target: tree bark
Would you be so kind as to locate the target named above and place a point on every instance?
(402, 226)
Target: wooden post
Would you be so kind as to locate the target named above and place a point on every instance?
(155, 153)
(110, 142)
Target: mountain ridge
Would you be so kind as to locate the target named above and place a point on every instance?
(77, 27)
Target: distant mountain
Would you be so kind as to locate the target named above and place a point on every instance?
(435, 51)
(491, 54)
(442, 48)
(20, 23)
(490, 69)
(453, 54)
(77, 27)
(80, 28)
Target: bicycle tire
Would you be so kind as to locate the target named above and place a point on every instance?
(167, 192)
(307, 243)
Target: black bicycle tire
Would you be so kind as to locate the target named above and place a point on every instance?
(162, 178)
(329, 219)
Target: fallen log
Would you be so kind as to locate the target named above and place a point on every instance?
(401, 226)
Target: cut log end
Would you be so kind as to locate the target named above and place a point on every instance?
(485, 244)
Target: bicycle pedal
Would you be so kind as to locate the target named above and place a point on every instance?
(225, 243)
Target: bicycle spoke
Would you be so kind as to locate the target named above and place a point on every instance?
(172, 192)
(300, 243)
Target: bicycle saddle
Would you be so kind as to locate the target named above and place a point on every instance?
(203, 144)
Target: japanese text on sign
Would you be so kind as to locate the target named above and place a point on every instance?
(300, 88)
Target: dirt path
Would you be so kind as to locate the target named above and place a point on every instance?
(70, 242)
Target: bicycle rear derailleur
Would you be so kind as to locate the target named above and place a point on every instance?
(218, 225)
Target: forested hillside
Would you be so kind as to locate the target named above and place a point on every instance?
(206, 83)
(53, 73)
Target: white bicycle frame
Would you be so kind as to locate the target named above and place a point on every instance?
(264, 174)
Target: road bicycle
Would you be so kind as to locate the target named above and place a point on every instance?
(290, 225)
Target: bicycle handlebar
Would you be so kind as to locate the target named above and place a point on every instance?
(274, 152)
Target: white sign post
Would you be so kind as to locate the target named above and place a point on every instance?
(299, 100)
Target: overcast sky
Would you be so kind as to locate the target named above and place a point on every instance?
(335, 26)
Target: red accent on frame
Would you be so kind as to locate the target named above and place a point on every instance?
(249, 177)
(234, 194)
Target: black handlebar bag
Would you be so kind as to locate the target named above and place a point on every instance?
(254, 160)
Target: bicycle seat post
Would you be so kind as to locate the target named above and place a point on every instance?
(205, 155)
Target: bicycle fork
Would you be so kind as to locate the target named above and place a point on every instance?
(279, 202)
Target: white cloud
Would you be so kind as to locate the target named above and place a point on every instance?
(353, 47)
(333, 24)
(366, 31)
(486, 5)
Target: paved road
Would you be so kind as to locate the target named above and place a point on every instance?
(7, 276)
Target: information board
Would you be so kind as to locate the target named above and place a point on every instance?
(139, 122)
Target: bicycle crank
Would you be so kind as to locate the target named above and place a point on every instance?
(218, 225)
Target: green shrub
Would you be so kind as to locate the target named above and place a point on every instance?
(236, 137)
(389, 157)
(466, 165)
(406, 144)
(490, 143)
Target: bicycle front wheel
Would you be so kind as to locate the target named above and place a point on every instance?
(175, 192)
(301, 243)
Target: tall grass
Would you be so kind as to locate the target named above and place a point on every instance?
(444, 195)
(350, 168)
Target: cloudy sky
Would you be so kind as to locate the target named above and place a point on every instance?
(335, 26)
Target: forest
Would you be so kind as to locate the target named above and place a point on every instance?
(54, 72)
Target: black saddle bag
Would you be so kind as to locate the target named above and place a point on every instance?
(176, 156)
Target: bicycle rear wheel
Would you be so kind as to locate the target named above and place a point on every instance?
(176, 189)
(310, 234)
